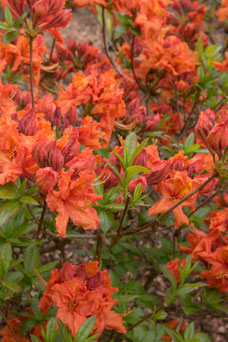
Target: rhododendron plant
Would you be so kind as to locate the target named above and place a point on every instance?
(113, 170)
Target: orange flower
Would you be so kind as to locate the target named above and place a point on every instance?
(217, 275)
(224, 65)
(79, 292)
(222, 12)
(91, 3)
(73, 200)
(173, 190)
(89, 133)
(173, 267)
(15, 323)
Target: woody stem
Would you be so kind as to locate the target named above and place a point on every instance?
(106, 46)
(31, 76)
(41, 220)
(9, 326)
(188, 196)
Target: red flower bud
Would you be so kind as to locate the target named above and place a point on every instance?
(141, 158)
(132, 185)
(56, 118)
(71, 149)
(159, 172)
(40, 155)
(70, 117)
(95, 281)
(203, 126)
(218, 139)
(55, 158)
(27, 125)
(16, 7)
(178, 165)
(46, 179)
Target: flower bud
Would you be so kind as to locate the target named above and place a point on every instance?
(160, 171)
(27, 125)
(95, 281)
(141, 158)
(132, 185)
(207, 189)
(40, 155)
(203, 127)
(46, 179)
(56, 118)
(17, 98)
(70, 117)
(178, 165)
(55, 158)
(71, 149)
(218, 139)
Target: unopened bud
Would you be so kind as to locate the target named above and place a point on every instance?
(133, 184)
(203, 127)
(40, 155)
(46, 179)
(218, 139)
(160, 171)
(71, 149)
(95, 281)
(56, 118)
(141, 158)
(55, 158)
(178, 165)
(70, 117)
(27, 125)
(17, 98)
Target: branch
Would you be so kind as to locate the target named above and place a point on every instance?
(118, 235)
(31, 76)
(106, 47)
(9, 326)
(133, 67)
(41, 220)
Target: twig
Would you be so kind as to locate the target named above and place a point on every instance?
(144, 318)
(119, 231)
(52, 50)
(33, 216)
(52, 91)
(31, 76)
(41, 220)
(133, 67)
(208, 199)
(73, 236)
(9, 326)
(106, 47)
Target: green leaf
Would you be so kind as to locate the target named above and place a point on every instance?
(189, 331)
(19, 20)
(9, 191)
(63, 331)
(138, 150)
(47, 267)
(8, 211)
(199, 46)
(28, 200)
(169, 275)
(114, 169)
(189, 141)
(85, 329)
(106, 220)
(31, 258)
(8, 37)
(6, 254)
(191, 149)
(119, 30)
(114, 206)
(27, 326)
(51, 331)
(175, 335)
(130, 146)
(159, 315)
(12, 286)
(8, 16)
(203, 337)
(35, 338)
(187, 288)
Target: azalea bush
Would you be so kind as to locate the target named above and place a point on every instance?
(113, 172)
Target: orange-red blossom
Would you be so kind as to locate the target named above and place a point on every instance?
(73, 200)
(80, 292)
(173, 190)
